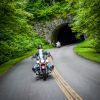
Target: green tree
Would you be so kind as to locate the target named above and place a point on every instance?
(13, 23)
(87, 19)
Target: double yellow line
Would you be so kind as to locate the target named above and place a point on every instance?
(65, 87)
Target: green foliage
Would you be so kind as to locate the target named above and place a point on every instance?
(18, 46)
(8, 65)
(12, 23)
(87, 44)
(87, 19)
(87, 51)
(46, 9)
(16, 36)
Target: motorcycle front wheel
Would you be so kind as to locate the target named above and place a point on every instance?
(44, 74)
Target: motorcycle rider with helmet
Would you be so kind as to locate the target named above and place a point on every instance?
(41, 54)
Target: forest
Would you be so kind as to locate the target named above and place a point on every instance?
(16, 17)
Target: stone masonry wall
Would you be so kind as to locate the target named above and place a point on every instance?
(46, 28)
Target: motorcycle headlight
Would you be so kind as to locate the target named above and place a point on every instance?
(42, 61)
(47, 61)
(37, 62)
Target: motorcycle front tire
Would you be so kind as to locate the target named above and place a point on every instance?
(44, 74)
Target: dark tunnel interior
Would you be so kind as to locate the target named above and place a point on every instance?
(64, 35)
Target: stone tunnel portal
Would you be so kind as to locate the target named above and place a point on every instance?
(64, 35)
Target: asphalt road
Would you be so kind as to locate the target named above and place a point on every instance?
(82, 75)
(22, 84)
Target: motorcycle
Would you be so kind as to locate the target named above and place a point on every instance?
(42, 69)
(58, 44)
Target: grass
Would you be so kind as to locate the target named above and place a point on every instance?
(86, 50)
(4, 68)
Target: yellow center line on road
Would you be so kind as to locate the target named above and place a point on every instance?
(64, 86)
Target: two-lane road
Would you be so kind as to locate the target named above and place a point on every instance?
(82, 75)
(21, 84)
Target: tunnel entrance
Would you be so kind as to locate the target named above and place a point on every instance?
(64, 35)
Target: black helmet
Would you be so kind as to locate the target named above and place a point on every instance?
(39, 46)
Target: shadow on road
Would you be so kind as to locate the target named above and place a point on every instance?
(37, 78)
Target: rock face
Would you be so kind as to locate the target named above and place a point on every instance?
(46, 28)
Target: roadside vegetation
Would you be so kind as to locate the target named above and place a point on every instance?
(5, 67)
(86, 50)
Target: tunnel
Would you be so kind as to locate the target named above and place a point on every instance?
(64, 35)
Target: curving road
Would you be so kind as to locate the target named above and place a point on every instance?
(82, 75)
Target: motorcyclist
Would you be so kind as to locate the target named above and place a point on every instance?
(41, 54)
(38, 55)
(58, 44)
